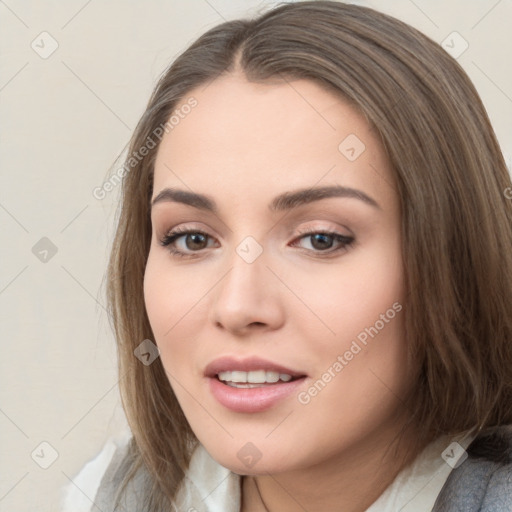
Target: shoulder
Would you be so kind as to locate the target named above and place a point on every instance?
(79, 494)
(483, 482)
(497, 447)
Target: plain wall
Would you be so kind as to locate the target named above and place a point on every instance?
(64, 120)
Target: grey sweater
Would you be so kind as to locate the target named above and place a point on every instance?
(482, 483)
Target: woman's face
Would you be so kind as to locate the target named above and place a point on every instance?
(279, 278)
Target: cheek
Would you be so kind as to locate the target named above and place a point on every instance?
(346, 300)
(361, 356)
(167, 294)
(157, 297)
(173, 306)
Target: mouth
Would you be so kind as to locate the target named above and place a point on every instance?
(252, 370)
(251, 385)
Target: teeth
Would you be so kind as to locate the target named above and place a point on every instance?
(254, 377)
(238, 377)
(244, 385)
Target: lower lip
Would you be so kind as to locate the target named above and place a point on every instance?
(252, 399)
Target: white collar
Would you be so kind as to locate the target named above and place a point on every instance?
(416, 487)
(208, 486)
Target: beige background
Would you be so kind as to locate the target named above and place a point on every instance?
(64, 119)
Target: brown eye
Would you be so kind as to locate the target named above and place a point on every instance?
(322, 241)
(195, 241)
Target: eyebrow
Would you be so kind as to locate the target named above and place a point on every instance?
(282, 202)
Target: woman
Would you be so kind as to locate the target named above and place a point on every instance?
(311, 277)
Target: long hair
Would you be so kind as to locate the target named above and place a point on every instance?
(456, 223)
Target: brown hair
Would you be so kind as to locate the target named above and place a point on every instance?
(456, 222)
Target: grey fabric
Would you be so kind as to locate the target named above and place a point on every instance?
(477, 485)
(133, 497)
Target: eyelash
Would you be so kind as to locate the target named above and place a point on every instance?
(345, 241)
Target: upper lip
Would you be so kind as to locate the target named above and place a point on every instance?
(227, 363)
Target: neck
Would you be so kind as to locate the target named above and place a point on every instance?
(350, 481)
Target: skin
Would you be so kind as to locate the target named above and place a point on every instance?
(243, 144)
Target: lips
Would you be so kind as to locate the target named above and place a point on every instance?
(242, 396)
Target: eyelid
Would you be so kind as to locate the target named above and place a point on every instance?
(322, 228)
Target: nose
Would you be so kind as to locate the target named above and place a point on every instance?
(248, 297)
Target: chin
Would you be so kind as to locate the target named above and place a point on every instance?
(250, 458)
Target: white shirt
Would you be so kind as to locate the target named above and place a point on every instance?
(215, 488)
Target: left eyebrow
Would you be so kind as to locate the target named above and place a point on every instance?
(282, 202)
(296, 198)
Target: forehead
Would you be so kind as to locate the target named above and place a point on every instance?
(256, 140)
